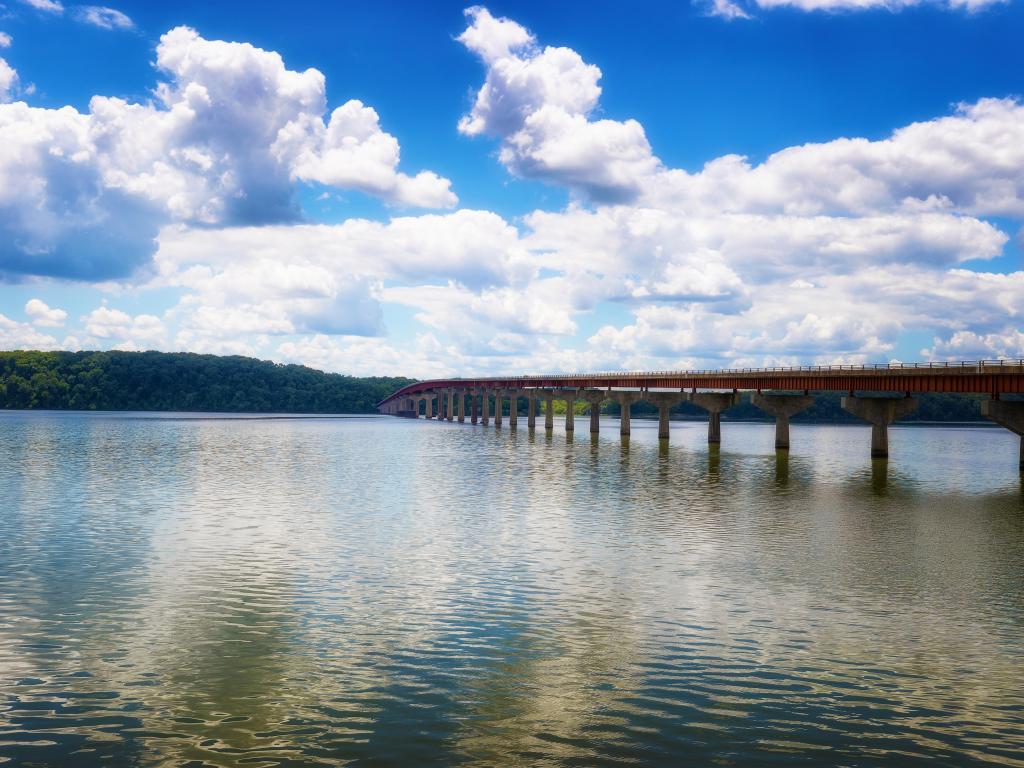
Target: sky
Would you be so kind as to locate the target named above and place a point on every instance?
(436, 189)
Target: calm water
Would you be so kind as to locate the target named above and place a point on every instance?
(379, 591)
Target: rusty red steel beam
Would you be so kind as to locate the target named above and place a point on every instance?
(993, 377)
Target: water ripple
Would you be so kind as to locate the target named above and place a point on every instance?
(207, 592)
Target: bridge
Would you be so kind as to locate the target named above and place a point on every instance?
(878, 394)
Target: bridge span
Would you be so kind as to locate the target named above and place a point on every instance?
(878, 394)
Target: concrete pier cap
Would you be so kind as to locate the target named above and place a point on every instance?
(782, 407)
(880, 412)
(625, 399)
(664, 402)
(714, 403)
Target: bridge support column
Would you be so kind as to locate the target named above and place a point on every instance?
(595, 398)
(485, 407)
(570, 404)
(782, 407)
(664, 401)
(626, 399)
(714, 403)
(1009, 414)
(880, 412)
(498, 408)
(549, 412)
(531, 411)
(429, 412)
(450, 415)
(513, 408)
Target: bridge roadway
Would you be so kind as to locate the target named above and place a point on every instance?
(780, 392)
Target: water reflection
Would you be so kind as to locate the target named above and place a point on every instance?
(395, 592)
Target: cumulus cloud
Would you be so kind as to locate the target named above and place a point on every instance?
(42, 315)
(327, 279)
(231, 131)
(8, 81)
(48, 6)
(105, 325)
(1008, 343)
(971, 161)
(103, 17)
(15, 335)
(538, 101)
(352, 151)
(5, 40)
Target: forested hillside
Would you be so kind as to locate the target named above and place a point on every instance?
(161, 381)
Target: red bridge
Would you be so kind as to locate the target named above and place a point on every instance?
(716, 391)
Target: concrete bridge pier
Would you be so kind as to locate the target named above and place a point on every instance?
(485, 408)
(1009, 414)
(513, 408)
(880, 412)
(473, 408)
(782, 407)
(626, 399)
(531, 411)
(549, 412)
(714, 403)
(664, 401)
(460, 405)
(498, 408)
(595, 398)
(428, 409)
(570, 397)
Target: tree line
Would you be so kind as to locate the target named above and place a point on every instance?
(180, 381)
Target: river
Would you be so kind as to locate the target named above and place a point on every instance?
(189, 590)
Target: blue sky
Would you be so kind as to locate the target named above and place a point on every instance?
(580, 185)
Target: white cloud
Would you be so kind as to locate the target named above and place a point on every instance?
(8, 81)
(103, 17)
(351, 151)
(15, 335)
(727, 9)
(5, 40)
(1007, 343)
(730, 9)
(475, 248)
(326, 279)
(105, 325)
(971, 161)
(231, 131)
(358, 356)
(42, 315)
(49, 6)
(538, 102)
